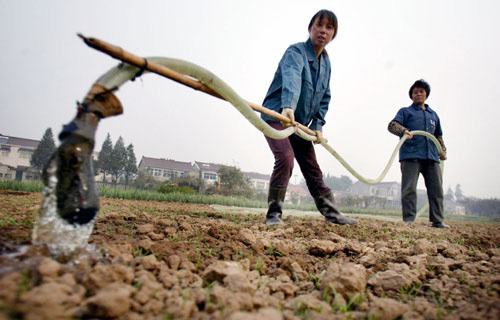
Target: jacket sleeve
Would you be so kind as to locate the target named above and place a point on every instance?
(396, 128)
(438, 133)
(291, 66)
(398, 125)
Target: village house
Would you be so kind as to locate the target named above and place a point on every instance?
(166, 169)
(295, 194)
(15, 156)
(258, 181)
(388, 190)
(208, 172)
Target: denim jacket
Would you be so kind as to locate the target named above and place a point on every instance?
(416, 118)
(303, 84)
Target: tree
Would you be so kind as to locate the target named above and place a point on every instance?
(459, 195)
(131, 164)
(44, 150)
(118, 159)
(449, 195)
(233, 182)
(144, 182)
(482, 207)
(105, 157)
(338, 184)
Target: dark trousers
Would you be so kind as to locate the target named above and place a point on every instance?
(431, 171)
(288, 149)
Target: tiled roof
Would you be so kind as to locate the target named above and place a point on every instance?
(167, 164)
(204, 166)
(15, 141)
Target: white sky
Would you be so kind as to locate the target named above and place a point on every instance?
(382, 47)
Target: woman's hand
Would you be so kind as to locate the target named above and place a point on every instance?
(407, 132)
(319, 137)
(290, 114)
(443, 155)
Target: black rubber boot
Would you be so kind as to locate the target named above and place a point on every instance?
(275, 200)
(440, 225)
(324, 203)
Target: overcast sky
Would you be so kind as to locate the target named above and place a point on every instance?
(381, 48)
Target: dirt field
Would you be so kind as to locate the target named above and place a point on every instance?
(185, 261)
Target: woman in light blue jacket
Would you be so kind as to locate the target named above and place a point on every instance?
(300, 91)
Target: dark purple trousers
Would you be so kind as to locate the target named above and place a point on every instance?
(288, 149)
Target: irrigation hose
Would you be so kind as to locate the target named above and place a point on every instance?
(120, 74)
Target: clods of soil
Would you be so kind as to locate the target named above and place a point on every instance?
(186, 261)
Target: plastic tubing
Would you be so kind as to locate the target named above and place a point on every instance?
(120, 74)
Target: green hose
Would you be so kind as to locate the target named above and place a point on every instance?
(120, 74)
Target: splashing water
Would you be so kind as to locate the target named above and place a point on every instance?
(70, 200)
(61, 238)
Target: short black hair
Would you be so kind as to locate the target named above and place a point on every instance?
(332, 18)
(420, 84)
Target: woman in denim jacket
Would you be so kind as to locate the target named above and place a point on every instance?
(300, 91)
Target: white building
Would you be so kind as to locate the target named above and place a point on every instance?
(388, 190)
(209, 172)
(15, 156)
(258, 181)
(166, 169)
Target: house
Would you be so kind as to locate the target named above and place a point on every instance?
(389, 190)
(451, 206)
(295, 194)
(166, 169)
(258, 181)
(15, 156)
(208, 172)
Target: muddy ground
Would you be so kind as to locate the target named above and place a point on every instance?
(187, 261)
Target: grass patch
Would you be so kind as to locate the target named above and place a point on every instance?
(182, 196)
(26, 186)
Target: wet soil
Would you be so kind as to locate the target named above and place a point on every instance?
(156, 260)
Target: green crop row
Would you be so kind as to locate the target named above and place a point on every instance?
(134, 194)
(26, 186)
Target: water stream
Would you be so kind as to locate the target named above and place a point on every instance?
(70, 201)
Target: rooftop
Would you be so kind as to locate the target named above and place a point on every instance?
(167, 164)
(22, 142)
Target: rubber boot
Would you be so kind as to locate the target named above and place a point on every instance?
(275, 200)
(324, 203)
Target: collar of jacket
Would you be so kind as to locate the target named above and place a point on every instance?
(427, 108)
(311, 55)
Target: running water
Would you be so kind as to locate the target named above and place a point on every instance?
(70, 200)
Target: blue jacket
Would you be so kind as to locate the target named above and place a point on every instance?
(416, 118)
(303, 84)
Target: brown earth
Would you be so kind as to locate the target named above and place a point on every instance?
(187, 261)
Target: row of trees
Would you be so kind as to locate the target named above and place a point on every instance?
(116, 161)
(479, 207)
(458, 195)
(342, 183)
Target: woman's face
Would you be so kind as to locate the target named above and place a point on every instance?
(321, 32)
